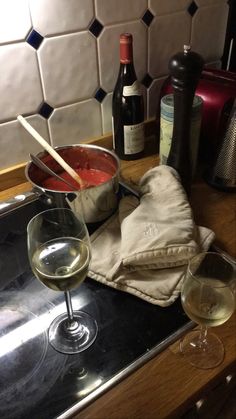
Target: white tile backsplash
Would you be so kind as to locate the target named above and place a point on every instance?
(208, 2)
(207, 40)
(63, 56)
(61, 16)
(20, 84)
(73, 124)
(107, 113)
(166, 42)
(110, 11)
(15, 20)
(16, 143)
(160, 7)
(153, 97)
(69, 69)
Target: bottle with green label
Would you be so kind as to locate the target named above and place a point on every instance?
(167, 123)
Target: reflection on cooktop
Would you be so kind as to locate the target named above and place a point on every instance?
(28, 367)
(37, 382)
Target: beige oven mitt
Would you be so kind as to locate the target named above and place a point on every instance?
(144, 248)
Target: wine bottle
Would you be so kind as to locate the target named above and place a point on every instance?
(127, 106)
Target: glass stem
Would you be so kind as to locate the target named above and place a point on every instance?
(69, 307)
(73, 327)
(203, 336)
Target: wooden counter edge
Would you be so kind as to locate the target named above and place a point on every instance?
(166, 386)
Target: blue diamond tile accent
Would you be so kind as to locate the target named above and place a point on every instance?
(147, 80)
(45, 110)
(100, 95)
(96, 28)
(34, 39)
(148, 17)
(192, 8)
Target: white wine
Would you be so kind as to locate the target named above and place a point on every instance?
(61, 264)
(208, 304)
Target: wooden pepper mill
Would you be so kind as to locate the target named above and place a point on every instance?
(185, 69)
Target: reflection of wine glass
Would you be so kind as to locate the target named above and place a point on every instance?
(208, 299)
(59, 254)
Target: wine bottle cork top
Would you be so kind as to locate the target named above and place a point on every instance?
(126, 48)
(126, 38)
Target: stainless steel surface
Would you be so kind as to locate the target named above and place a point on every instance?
(41, 165)
(17, 201)
(222, 175)
(96, 203)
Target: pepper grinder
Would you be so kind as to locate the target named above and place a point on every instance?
(185, 70)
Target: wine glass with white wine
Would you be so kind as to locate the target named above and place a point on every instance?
(59, 254)
(208, 298)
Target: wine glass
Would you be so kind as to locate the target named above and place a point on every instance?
(208, 299)
(59, 254)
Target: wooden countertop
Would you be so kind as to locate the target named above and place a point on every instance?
(167, 386)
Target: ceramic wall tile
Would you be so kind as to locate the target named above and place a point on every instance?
(15, 20)
(60, 16)
(160, 7)
(75, 123)
(201, 3)
(69, 69)
(208, 25)
(109, 11)
(144, 93)
(60, 59)
(108, 52)
(164, 42)
(106, 107)
(20, 85)
(16, 143)
(153, 97)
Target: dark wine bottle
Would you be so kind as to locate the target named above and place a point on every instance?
(127, 106)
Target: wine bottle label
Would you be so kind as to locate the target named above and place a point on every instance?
(132, 90)
(133, 138)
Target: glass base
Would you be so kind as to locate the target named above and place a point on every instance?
(205, 355)
(72, 338)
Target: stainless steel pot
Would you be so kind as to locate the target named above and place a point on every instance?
(97, 202)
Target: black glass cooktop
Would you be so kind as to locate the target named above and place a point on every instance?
(37, 382)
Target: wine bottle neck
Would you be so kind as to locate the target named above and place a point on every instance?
(127, 73)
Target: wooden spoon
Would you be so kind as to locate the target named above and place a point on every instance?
(50, 150)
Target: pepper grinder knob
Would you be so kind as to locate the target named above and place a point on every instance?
(185, 68)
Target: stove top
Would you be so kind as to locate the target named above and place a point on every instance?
(37, 382)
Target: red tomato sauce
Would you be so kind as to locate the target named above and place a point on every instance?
(90, 178)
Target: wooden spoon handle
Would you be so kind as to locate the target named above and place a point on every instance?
(50, 150)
